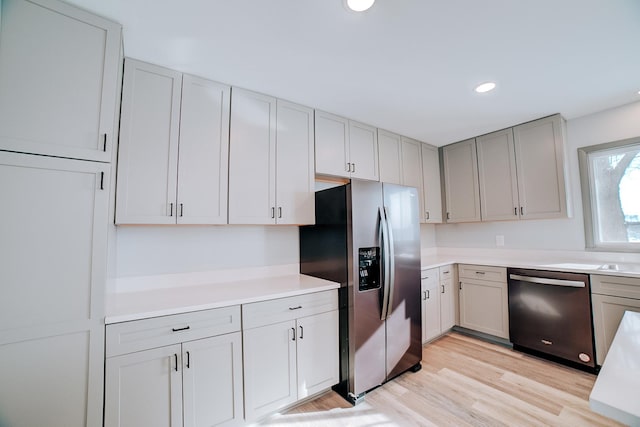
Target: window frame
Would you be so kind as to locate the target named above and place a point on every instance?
(591, 243)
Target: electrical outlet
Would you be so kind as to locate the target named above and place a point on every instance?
(499, 240)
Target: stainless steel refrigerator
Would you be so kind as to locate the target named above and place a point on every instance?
(367, 238)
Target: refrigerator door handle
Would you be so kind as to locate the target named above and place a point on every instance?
(383, 238)
(392, 263)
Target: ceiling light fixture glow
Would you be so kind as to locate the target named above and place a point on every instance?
(360, 5)
(485, 87)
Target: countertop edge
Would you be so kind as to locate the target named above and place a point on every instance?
(235, 294)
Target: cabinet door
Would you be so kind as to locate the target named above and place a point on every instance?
(295, 178)
(203, 164)
(269, 368)
(252, 158)
(461, 182)
(484, 307)
(607, 314)
(412, 170)
(431, 315)
(212, 381)
(447, 305)
(363, 151)
(539, 147)
(497, 176)
(332, 145)
(53, 224)
(148, 148)
(317, 353)
(58, 80)
(390, 156)
(432, 192)
(144, 388)
(46, 382)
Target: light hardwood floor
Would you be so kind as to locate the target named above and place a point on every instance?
(463, 382)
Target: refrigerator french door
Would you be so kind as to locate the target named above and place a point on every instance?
(367, 237)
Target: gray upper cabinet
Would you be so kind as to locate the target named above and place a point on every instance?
(520, 174)
(431, 190)
(390, 155)
(497, 176)
(461, 182)
(412, 169)
(345, 148)
(271, 179)
(58, 80)
(539, 152)
(173, 151)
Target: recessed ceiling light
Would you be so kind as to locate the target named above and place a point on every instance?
(485, 87)
(359, 5)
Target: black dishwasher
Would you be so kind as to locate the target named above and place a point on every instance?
(550, 313)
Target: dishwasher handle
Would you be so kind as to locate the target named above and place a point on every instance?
(545, 281)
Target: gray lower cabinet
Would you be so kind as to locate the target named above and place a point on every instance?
(611, 297)
(484, 304)
(181, 370)
(290, 350)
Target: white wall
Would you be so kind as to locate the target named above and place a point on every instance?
(561, 234)
(151, 250)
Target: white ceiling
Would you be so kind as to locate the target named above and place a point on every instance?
(408, 66)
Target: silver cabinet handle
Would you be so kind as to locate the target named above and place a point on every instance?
(427, 214)
(480, 272)
(442, 286)
(460, 286)
(354, 167)
(301, 332)
(185, 328)
(279, 211)
(273, 212)
(448, 215)
(515, 211)
(176, 356)
(521, 210)
(181, 209)
(102, 180)
(295, 308)
(293, 334)
(104, 144)
(348, 167)
(424, 295)
(188, 360)
(171, 209)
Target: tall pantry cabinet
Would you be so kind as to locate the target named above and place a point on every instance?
(58, 97)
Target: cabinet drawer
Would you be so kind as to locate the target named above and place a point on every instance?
(137, 335)
(282, 309)
(446, 272)
(616, 286)
(482, 272)
(432, 274)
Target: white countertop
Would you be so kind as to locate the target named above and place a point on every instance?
(125, 306)
(616, 393)
(552, 263)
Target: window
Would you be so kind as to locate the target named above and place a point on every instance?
(610, 178)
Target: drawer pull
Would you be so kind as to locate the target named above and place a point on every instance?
(480, 272)
(446, 272)
(181, 329)
(295, 308)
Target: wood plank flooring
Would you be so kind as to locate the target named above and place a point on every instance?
(463, 382)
